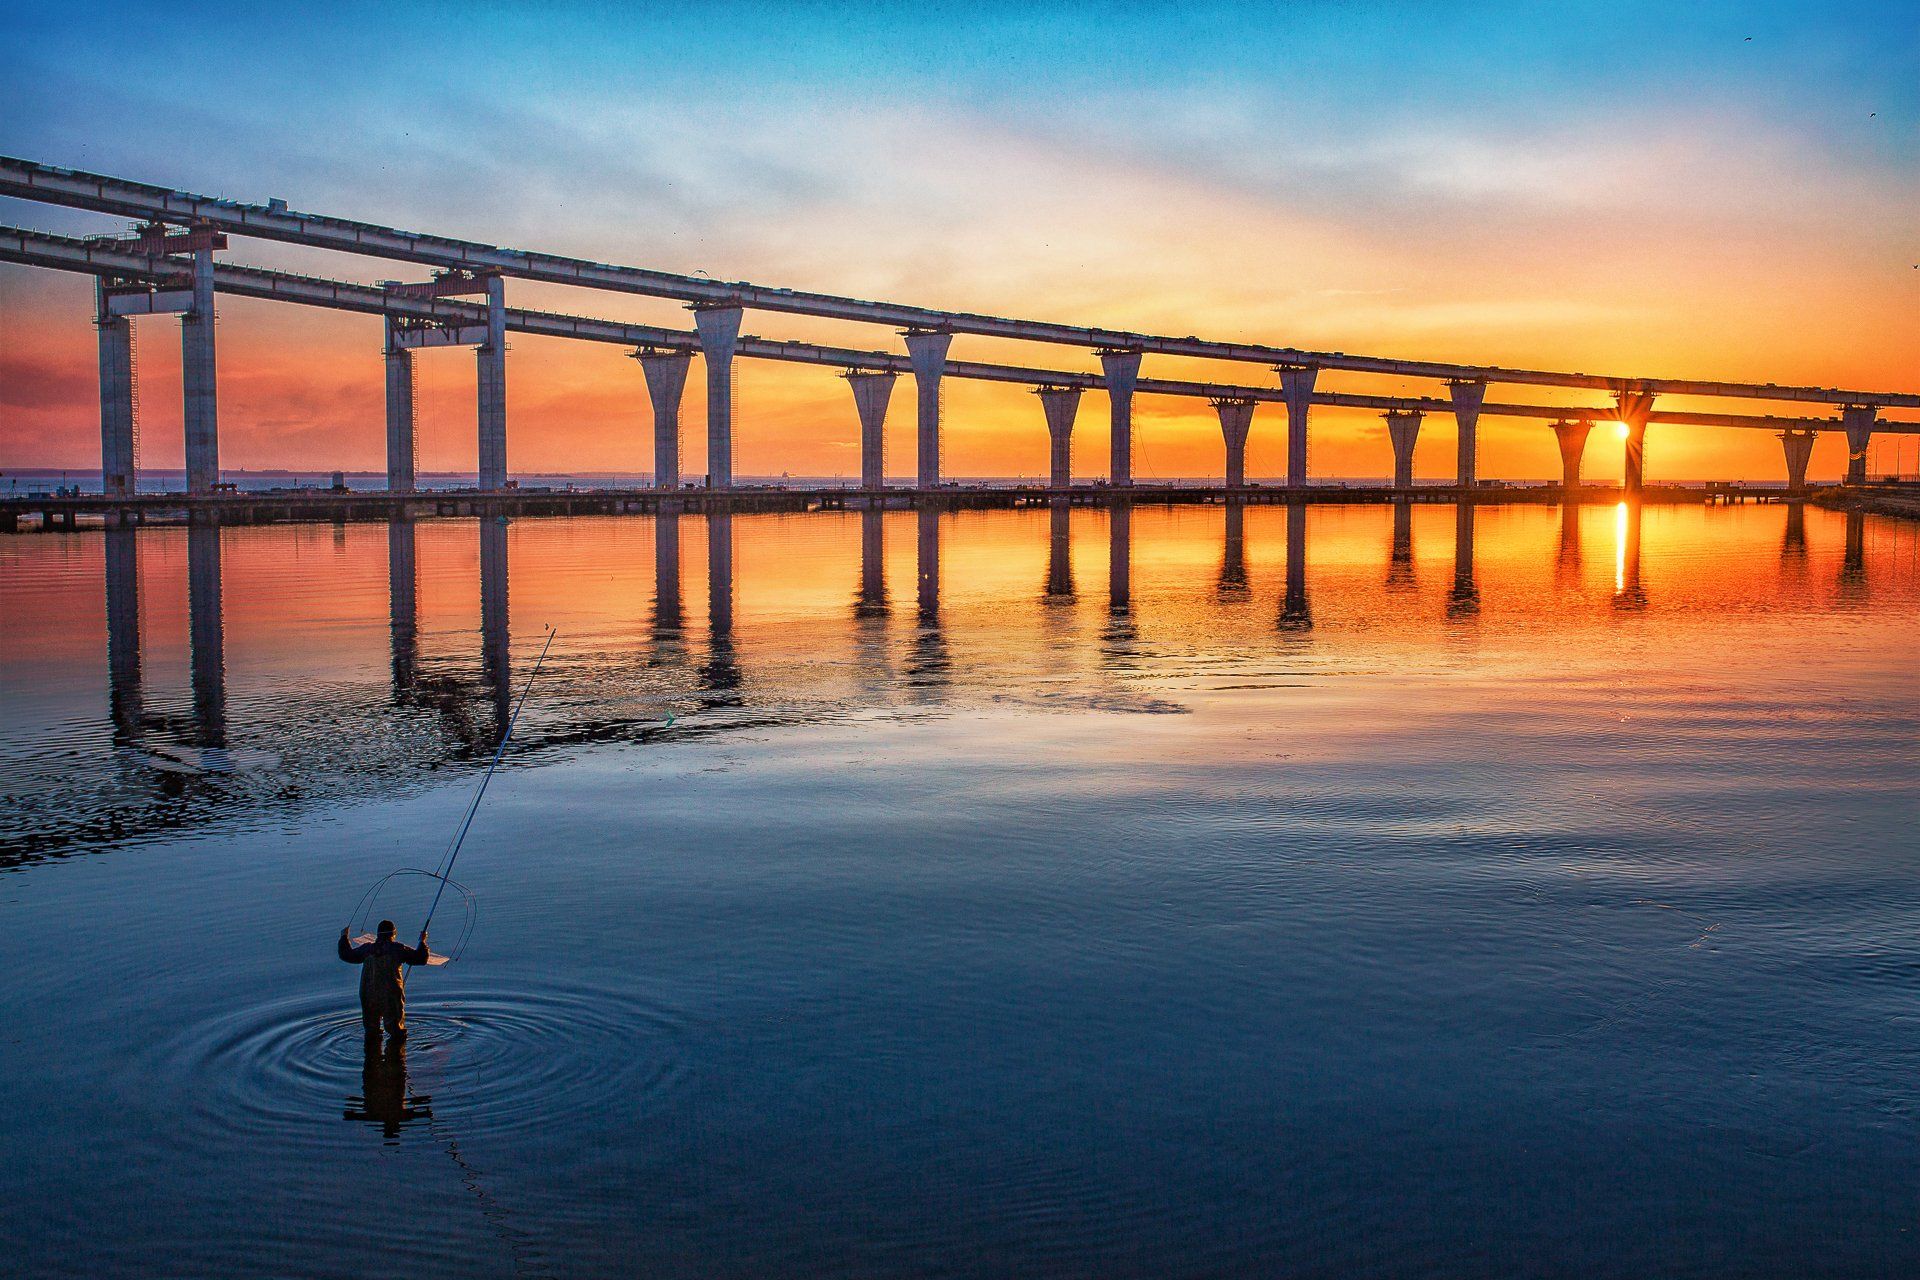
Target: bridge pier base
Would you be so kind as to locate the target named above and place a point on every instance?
(1799, 450)
(666, 375)
(1060, 405)
(118, 474)
(401, 446)
(1121, 367)
(872, 394)
(927, 349)
(1236, 424)
(719, 330)
(1571, 435)
(1403, 430)
(1296, 386)
(197, 380)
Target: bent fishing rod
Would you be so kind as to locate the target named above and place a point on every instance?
(453, 850)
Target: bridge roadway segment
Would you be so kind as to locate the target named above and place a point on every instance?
(29, 180)
(110, 258)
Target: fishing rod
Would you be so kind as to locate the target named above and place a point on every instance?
(453, 850)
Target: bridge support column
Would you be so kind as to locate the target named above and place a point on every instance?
(1572, 437)
(719, 329)
(927, 349)
(1403, 429)
(1236, 424)
(666, 375)
(401, 448)
(118, 466)
(1468, 395)
(1799, 449)
(1060, 405)
(197, 380)
(1634, 408)
(491, 358)
(1859, 422)
(1121, 366)
(872, 393)
(1296, 386)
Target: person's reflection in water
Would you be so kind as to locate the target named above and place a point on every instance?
(1400, 554)
(1463, 601)
(383, 1098)
(1296, 614)
(720, 677)
(1233, 551)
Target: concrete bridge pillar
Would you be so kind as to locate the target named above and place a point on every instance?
(872, 393)
(1634, 409)
(1403, 429)
(197, 380)
(1121, 367)
(491, 358)
(1799, 449)
(927, 349)
(1236, 424)
(1468, 395)
(1296, 386)
(118, 466)
(401, 447)
(1060, 405)
(666, 375)
(719, 328)
(1858, 419)
(1571, 434)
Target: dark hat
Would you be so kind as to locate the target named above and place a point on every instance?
(386, 928)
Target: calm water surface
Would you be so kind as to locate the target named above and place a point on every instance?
(1182, 892)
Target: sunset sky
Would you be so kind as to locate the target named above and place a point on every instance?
(1714, 190)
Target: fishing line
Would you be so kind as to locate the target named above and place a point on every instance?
(453, 850)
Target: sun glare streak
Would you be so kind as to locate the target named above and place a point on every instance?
(1620, 541)
(1620, 429)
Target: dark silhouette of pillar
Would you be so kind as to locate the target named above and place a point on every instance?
(1233, 549)
(1634, 407)
(1403, 430)
(872, 597)
(1463, 601)
(1400, 550)
(496, 636)
(1120, 558)
(1236, 424)
(1295, 612)
(403, 610)
(1859, 421)
(1060, 549)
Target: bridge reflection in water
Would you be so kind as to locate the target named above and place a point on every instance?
(962, 635)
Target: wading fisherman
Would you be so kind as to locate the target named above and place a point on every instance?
(383, 983)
